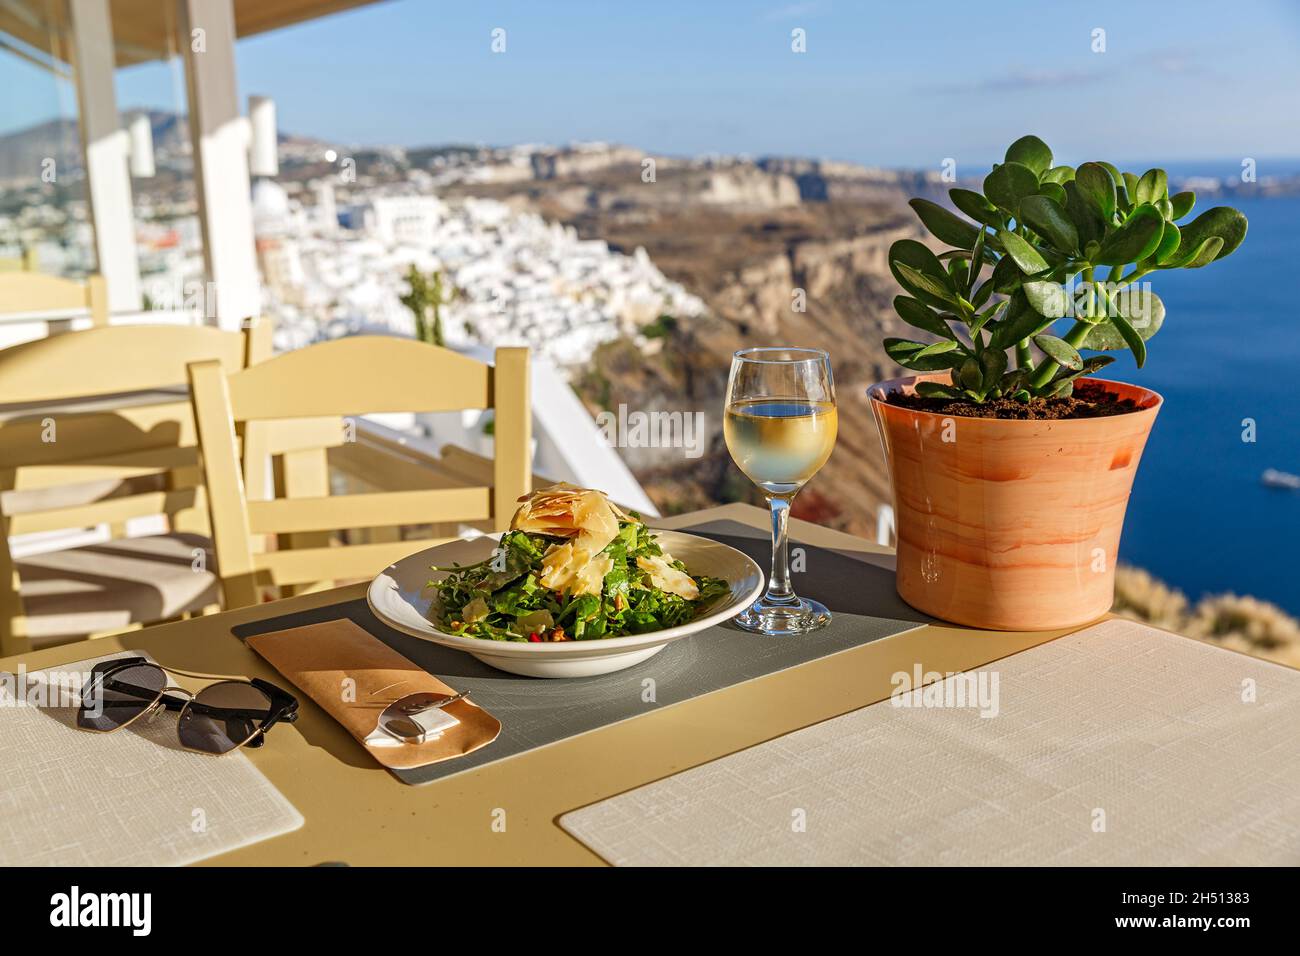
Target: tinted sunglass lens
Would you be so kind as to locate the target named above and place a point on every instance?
(108, 702)
(223, 716)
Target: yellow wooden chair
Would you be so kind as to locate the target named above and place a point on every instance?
(37, 292)
(27, 262)
(97, 430)
(348, 377)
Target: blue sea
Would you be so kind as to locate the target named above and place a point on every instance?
(1200, 518)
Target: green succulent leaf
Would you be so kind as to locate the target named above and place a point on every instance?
(1032, 152)
(1123, 200)
(907, 354)
(977, 207)
(1088, 221)
(1169, 241)
(1046, 217)
(1053, 191)
(1013, 380)
(965, 254)
(1136, 344)
(1189, 257)
(1029, 259)
(917, 256)
(1133, 241)
(1094, 363)
(1021, 322)
(945, 226)
(1057, 174)
(976, 263)
(1059, 350)
(971, 374)
(1143, 310)
(985, 317)
(1222, 222)
(993, 363)
(928, 287)
(1047, 298)
(1009, 184)
(937, 390)
(936, 348)
(1130, 187)
(1006, 276)
(1152, 187)
(1097, 187)
(1182, 204)
(1066, 377)
(918, 314)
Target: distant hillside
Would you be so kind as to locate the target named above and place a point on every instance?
(23, 151)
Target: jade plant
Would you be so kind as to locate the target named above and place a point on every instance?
(1045, 243)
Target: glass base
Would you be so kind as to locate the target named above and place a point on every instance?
(783, 620)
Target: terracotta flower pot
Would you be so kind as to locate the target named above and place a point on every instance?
(1008, 524)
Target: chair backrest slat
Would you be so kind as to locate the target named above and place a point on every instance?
(114, 510)
(121, 358)
(136, 464)
(355, 561)
(372, 510)
(38, 292)
(366, 374)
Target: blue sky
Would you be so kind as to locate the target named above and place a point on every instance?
(886, 83)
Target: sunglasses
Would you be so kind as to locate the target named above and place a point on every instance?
(222, 717)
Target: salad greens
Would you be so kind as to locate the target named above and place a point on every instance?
(502, 598)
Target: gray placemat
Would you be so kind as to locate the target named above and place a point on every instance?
(535, 712)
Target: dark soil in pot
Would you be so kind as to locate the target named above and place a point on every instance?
(1090, 400)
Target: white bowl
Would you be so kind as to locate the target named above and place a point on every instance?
(400, 599)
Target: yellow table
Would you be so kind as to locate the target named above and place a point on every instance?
(357, 813)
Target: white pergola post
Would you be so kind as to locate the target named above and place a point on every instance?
(105, 147)
(220, 137)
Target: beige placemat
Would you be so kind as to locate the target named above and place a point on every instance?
(1120, 744)
(129, 798)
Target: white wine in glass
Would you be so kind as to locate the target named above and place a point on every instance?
(780, 426)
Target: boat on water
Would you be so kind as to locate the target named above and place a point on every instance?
(1280, 479)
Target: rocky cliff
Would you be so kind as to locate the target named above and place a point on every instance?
(775, 267)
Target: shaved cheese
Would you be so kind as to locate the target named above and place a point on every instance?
(593, 515)
(667, 578)
(565, 511)
(476, 610)
(558, 567)
(591, 577)
(539, 620)
(581, 514)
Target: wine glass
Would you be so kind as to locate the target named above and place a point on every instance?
(780, 428)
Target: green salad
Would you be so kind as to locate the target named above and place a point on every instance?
(502, 598)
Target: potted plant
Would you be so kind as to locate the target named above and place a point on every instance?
(1011, 467)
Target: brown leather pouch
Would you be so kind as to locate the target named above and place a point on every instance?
(354, 676)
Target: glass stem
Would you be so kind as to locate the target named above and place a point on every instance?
(779, 590)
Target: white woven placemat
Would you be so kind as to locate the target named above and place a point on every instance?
(133, 797)
(1116, 745)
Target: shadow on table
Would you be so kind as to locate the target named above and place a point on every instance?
(853, 582)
